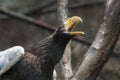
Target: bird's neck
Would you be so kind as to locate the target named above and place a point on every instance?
(48, 53)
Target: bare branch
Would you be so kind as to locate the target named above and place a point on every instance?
(65, 63)
(78, 6)
(62, 10)
(92, 4)
(21, 17)
(39, 9)
(102, 47)
(46, 8)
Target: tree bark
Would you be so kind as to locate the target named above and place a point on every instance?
(102, 47)
(65, 63)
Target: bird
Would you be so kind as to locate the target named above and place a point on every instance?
(38, 62)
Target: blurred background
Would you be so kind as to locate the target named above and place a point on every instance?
(18, 32)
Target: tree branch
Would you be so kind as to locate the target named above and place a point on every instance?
(102, 47)
(24, 18)
(39, 9)
(78, 6)
(92, 4)
(65, 63)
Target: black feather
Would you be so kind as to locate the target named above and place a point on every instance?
(39, 61)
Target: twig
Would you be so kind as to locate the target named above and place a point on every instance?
(39, 9)
(82, 40)
(93, 4)
(42, 10)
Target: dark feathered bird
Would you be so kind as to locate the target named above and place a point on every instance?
(38, 62)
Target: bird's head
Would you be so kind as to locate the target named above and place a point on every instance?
(65, 32)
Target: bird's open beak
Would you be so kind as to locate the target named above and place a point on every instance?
(70, 24)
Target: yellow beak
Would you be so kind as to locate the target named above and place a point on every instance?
(70, 24)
